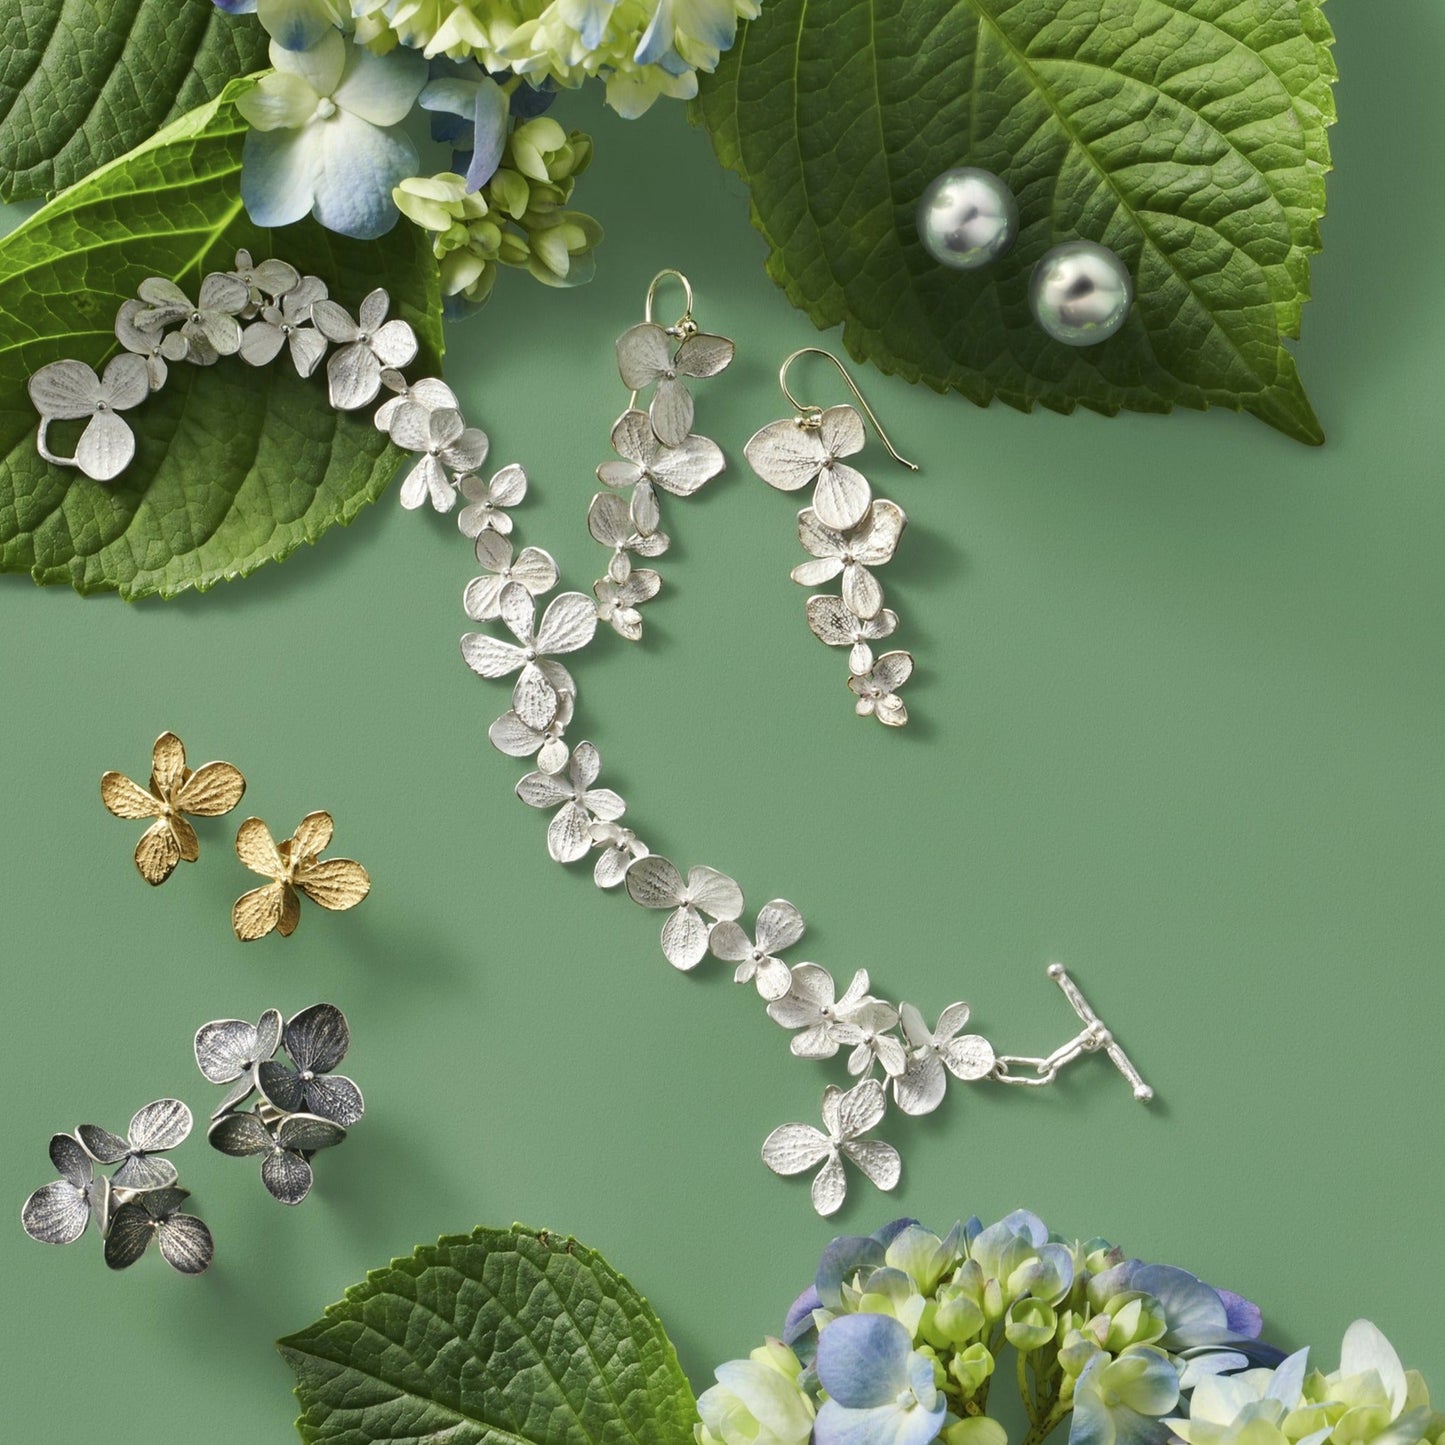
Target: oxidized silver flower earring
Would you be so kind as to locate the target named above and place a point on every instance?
(848, 532)
(302, 1107)
(656, 448)
(137, 1202)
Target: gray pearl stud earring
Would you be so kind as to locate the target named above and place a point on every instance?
(1081, 293)
(967, 218)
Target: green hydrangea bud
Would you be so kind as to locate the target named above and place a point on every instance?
(562, 251)
(435, 203)
(956, 1316)
(1133, 1319)
(971, 1367)
(1030, 1325)
(1078, 1348)
(975, 1430)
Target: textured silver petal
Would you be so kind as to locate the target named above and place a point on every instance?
(684, 938)
(534, 699)
(489, 656)
(691, 464)
(71, 1160)
(703, 354)
(830, 1188)
(308, 1133)
(861, 1108)
(772, 978)
(56, 1213)
(225, 1049)
(287, 1176)
(568, 623)
(841, 431)
(185, 1244)
(569, 835)
(795, 1148)
(780, 925)
(144, 1171)
(841, 497)
(131, 1231)
(102, 1146)
(879, 1161)
(334, 1097)
(158, 1126)
(654, 882)
(317, 1038)
(969, 1057)
(643, 355)
(353, 375)
(785, 455)
(671, 412)
(280, 1085)
(862, 592)
(714, 893)
(240, 1135)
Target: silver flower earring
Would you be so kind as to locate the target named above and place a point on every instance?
(656, 449)
(302, 1107)
(136, 1202)
(847, 530)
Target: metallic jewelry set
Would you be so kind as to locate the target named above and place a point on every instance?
(257, 311)
(301, 1107)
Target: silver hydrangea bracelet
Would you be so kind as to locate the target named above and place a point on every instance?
(258, 311)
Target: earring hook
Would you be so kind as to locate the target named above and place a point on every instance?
(812, 411)
(686, 318)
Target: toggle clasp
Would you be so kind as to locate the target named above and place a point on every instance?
(1093, 1038)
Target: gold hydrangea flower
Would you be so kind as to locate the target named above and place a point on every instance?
(334, 883)
(209, 791)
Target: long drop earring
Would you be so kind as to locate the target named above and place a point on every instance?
(848, 532)
(656, 449)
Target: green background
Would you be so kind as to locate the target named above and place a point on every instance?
(1177, 723)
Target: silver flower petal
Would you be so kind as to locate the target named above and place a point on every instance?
(643, 355)
(185, 1243)
(70, 1160)
(334, 1097)
(240, 1135)
(841, 496)
(143, 1172)
(131, 1231)
(703, 354)
(317, 1038)
(785, 454)
(159, 1126)
(56, 1213)
(671, 411)
(287, 1176)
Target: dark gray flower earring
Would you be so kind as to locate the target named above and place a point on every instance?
(137, 1202)
(302, 1107)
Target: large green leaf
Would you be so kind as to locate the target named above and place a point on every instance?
(500, 1337)
(1188, 135)
(82, 81)
(235, 466)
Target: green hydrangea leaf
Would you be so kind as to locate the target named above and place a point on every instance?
(499, 1337)
(83, 81)
(235, 466)
(1190, 136)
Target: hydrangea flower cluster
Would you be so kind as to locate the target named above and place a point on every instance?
(643, 49)
(901, 1335)
(327, 137)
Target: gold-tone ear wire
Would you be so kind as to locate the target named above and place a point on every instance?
(810, 416)
(685, 324)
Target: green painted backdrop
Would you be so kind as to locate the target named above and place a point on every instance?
(1178, 724)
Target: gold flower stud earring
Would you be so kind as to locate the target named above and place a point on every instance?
(294, 863)
(209, 791)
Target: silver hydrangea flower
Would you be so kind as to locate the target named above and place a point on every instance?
(796, 1148)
